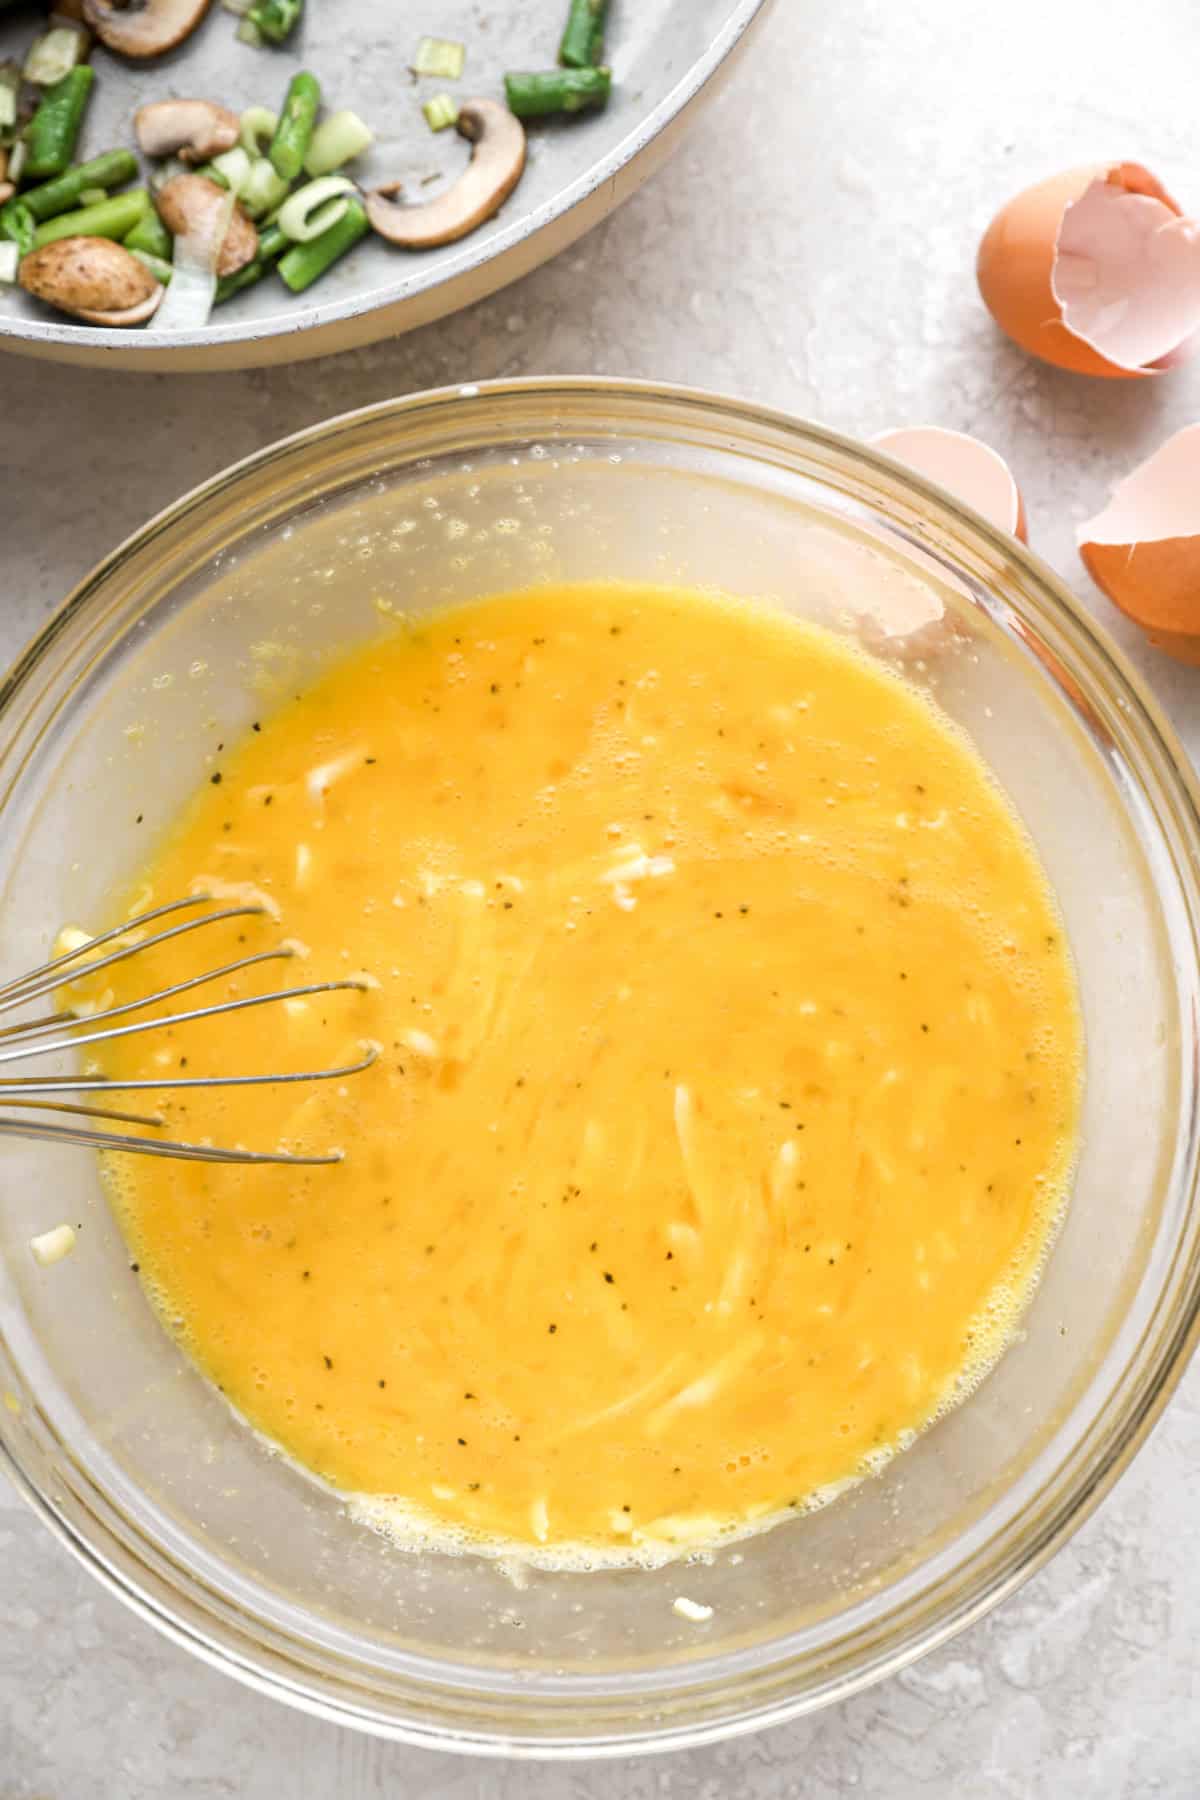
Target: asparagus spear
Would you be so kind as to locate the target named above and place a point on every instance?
(113, 218)
(17, 223)
(271, 245)
(582, 43)
(275, 20)
(52, 132)
(150, 236)
(534, 96)
(290, 144)
(305, 263)
(106, 171)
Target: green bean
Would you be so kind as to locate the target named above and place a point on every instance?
(556, 91)
(113, 218)
(18, 223)
(150, 236)
(582, 43)
(275, 19)
(54, 128)
(271, 244)
(293, 135)
(305, 263)
(107, 171)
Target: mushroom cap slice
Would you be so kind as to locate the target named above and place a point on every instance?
(193, 130)
(190, 205)
(497, 162)
(87, 276)
(146, 27)
(129, 315)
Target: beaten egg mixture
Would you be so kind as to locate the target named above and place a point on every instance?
(727, 1087)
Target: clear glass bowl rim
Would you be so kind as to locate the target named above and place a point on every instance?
(758, 1688)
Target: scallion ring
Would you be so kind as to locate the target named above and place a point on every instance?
(259, 125)
(313, 208)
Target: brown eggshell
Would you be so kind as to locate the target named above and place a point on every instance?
(1143, 550)
(971, 470)
(1015, 267)
(82, 275)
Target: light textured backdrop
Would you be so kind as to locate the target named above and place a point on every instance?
(811, 246)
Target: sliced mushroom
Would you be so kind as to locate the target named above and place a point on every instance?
(497, 161)
(93, 278)
(193, 130)
(7, 190)
(128, 315)
(143, 28)
(191, 204)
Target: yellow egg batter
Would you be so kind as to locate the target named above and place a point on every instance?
(728, 1086)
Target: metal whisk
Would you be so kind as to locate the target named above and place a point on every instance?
(64, 1030)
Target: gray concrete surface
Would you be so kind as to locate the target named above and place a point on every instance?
(811, 246)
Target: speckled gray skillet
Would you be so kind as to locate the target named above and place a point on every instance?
(666, 56)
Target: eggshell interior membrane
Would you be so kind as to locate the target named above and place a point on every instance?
(1082, 243)
(1126, 271)
(1144, 548)
(972, 471)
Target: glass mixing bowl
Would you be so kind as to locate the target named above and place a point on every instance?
(243, 590)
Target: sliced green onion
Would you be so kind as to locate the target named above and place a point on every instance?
(233, 166)
(92, 196)
(259, 125)
(56, 54)
(237, 7)
(10, 86)
(314, 208)
(440, 56)
(440, 111)
(10, 260)
(248, 33)
(158, 266)
(263, 189)
(17, 158)
(337, 140)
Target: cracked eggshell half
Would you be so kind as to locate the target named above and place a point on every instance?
(971, 471)
(1097, 271)
(1143, 550)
